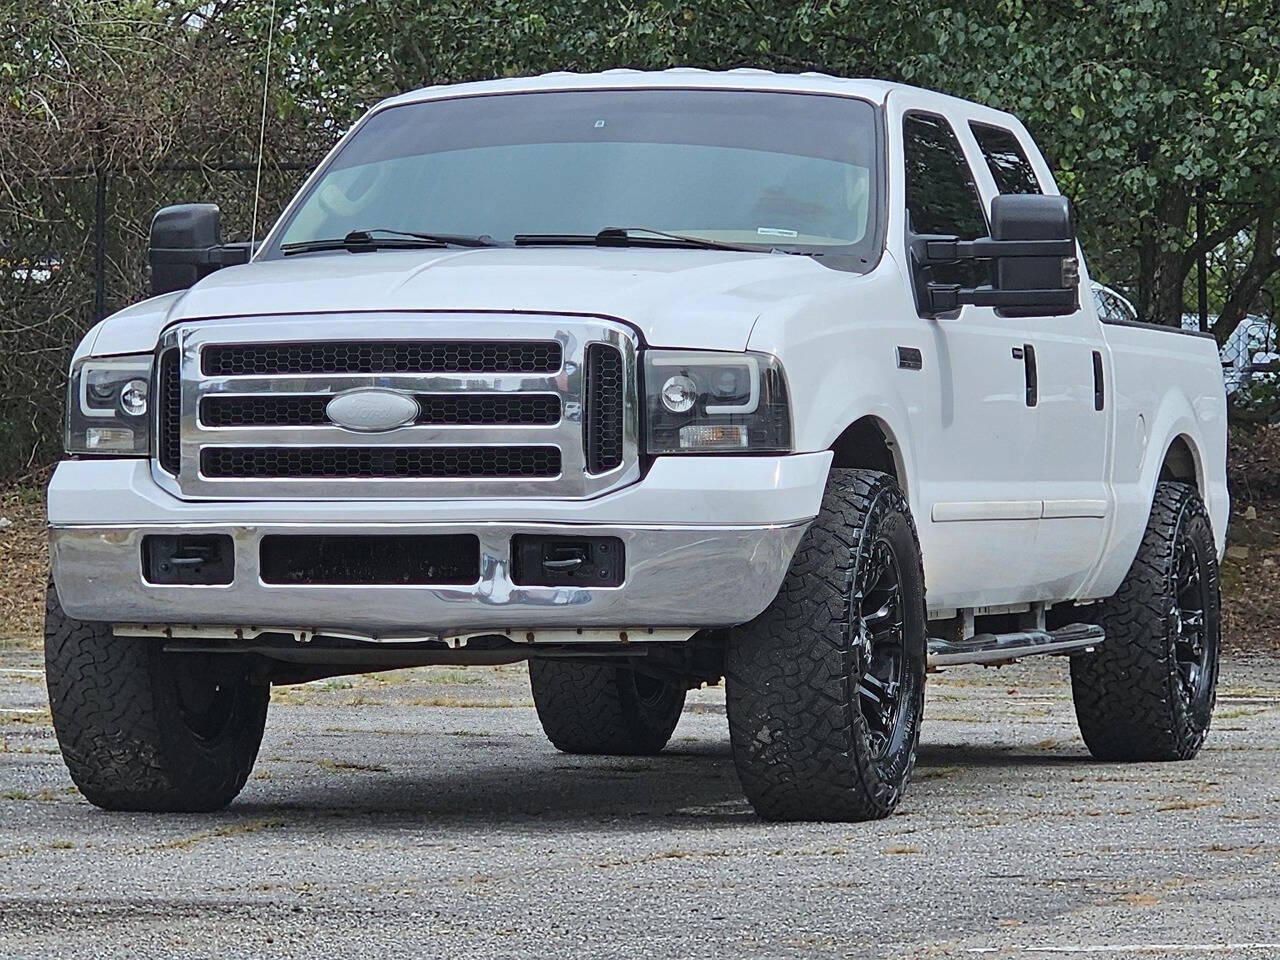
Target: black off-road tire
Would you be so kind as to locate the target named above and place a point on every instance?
(603, 708)
(141, 729)
(803, 747)
(1131, 700)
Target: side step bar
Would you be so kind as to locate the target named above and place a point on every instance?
(992, 648)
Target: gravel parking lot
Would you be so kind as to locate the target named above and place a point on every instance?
(422, 813)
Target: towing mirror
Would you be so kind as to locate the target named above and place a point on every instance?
(1033, 251)
(186, 246)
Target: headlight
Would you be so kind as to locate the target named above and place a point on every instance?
(699, 402)
(108, 406)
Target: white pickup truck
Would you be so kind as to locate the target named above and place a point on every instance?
(650, 379)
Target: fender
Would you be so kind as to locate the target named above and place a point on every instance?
(1175, 423)
(838, 348)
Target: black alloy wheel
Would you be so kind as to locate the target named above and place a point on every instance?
(879, 624)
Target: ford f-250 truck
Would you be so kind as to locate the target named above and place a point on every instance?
(650, 379)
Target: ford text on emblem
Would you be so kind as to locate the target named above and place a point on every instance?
(372, 409)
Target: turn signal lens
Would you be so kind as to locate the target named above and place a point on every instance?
(708, 436)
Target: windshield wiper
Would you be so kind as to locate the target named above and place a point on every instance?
(361, 241)
(627, 237)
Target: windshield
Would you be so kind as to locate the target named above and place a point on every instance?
(773, 170)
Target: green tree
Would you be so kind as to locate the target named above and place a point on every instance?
(1140, 104)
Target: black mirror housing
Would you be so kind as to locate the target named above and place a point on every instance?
(186, 246)
(1035, 217)
(1032, 248)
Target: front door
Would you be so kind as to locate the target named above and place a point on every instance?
(979, 508)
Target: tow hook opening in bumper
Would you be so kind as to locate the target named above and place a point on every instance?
(552, 561)
(186, 559)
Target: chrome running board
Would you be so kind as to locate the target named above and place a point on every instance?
(994, 648)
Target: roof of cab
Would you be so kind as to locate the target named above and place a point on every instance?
(677, 77)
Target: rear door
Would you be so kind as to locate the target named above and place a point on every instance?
(1071, 407)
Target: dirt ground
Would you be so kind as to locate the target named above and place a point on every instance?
(24, 565)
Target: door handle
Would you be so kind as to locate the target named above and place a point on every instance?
(1099, 387)
(1029, 368)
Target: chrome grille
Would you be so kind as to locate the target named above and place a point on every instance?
(374, 356)
(532, 407)
(345, 463)
(309, 409)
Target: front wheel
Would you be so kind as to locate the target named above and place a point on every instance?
(1147, 692)
(825, 689)
(142, 729)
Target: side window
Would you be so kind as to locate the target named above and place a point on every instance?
(1006, 159)
(941, 195)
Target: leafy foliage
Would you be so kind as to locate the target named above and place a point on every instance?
(148, 101)
(1141, 105)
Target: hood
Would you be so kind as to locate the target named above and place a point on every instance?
(707, 299)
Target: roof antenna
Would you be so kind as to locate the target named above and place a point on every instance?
(262, 132)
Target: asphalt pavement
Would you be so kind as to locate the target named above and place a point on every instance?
(422, 813)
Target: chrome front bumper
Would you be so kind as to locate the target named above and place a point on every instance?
(675, 577)
(694, 556)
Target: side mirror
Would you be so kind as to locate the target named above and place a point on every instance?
(1033, 249)
(1016, 217)
(186, 246)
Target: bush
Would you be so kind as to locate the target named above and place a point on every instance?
(1253, 462)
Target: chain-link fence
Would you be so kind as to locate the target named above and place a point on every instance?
(74, 251)
(1249, 347)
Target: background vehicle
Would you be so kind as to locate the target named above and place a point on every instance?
(656, 379)
(1113, 307)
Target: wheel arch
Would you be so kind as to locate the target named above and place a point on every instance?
(870, 443)
(1182, 462)
(1185, 441)
(1174, 448)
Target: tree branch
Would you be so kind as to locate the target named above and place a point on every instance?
(1215, 238)
(1263, 263)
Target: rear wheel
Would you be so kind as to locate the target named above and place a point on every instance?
(825, 689)
(141, 729)
(1148, 691)
(604, 708)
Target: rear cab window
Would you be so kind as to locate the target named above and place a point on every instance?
(1007, 161)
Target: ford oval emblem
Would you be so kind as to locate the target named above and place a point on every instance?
(372, 409)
